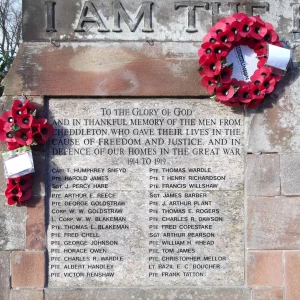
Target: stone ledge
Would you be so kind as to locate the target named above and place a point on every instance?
(267, 294)
(148, 294)
(26, 294)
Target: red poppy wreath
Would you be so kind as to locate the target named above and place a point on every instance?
(20, 127)
(230, 33)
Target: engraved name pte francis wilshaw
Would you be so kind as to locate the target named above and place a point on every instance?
(160, 20)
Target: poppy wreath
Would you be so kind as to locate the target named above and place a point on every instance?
(20, 127)
(229, 32)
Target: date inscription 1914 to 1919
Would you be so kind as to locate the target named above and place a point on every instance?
(145, 192)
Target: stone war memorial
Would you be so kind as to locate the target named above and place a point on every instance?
(149, 189)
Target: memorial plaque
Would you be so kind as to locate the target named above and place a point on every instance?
(145, 192)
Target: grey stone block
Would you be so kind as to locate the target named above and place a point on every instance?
(262, 175)
(26, 295)
(290, 180)
(12, 227)
(4, 275)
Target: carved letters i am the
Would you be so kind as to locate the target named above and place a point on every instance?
(140, 20)
(89, 14)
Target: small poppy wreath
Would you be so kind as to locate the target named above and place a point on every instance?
(20, 127)
(236, 30)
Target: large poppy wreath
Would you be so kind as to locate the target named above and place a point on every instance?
(228, 33)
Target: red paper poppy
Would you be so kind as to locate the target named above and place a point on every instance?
(244, 93)
(12, 146)
(209, 38)
(209, 83)
(269, 84)
(218, 28)
(7, 136)
(226, 38)
(24, 120)
(225, 75)
(262, 62)
(235, 28)
(211, 67)
(239, 16)
(271, 35)
(257, 78)
(8, 120)
(19, 104)
(13, 191)
(257, 92)
(224, 92)
(258, 31)
(23, 182)
(19, 199)
(258, 20)
(24, 137)
(245, 26)
(220, 51)
(228, 20)
(207, 49)
(42, 132)
(20, 108)
(261, 51)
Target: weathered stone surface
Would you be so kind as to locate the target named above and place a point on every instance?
(4, 275)
(274, 126)
(35, 224)
(142, 157)
(290, 181)
(148, 294)
(264, 268)
(5, 104)
(292, 275)
(112, 69)
(28, 269)
(26, 294)
(38, 180)
(267, 294)
(263, 175)
(163, 21)
(3, 180)
(12, 227)
(273, 223)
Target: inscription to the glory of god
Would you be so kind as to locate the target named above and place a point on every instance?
(145, 192)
